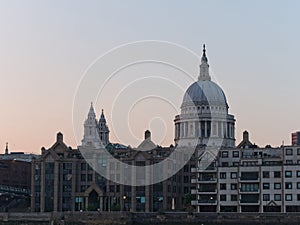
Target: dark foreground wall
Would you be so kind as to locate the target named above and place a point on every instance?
(122, 218)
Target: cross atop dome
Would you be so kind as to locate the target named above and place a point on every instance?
(204, 67)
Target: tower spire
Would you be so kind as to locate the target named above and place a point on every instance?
(204, 67)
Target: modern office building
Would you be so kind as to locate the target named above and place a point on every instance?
(250, 180)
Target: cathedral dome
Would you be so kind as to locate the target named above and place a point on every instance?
(204, 92)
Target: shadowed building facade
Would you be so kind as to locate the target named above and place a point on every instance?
(63, 180)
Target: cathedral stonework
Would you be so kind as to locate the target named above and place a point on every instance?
(204, 117)
(96, 134)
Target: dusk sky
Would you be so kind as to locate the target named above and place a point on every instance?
(47, 46)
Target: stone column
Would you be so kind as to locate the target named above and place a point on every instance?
(32, 200)
(165, 194)
(147, 188)
(101, 203)
(55, 197)
(42, 187)
(133, 190)
(86, 202)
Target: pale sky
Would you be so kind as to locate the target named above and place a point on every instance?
(46, 46)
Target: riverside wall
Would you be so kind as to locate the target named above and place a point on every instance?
(168, 218)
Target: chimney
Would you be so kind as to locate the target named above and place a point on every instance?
(59, 137)
(245, 136)
(6, 149)
(147, 134)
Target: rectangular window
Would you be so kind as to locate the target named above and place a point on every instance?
(235, 164)
(289, 151)
(82, 188)
(222, 198)
(266, 197)
(225, 164)
(233, 186)
(298, 173)
(298, 197)
(266, 185)
(298, 151)
(83, 166)
(289, 162)
(222, 186)
(225, 154)
(233, 198)
(277, 197)
(277, 186)
(288, 197)
(288, 173)
(233, 175)
(222, 175)
(277, 174)
(288, 185)
(83, 177)
(266, 174)
(90, 177)
(236, 154)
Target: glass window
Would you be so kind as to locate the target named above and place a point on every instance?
(266, 174)
(83, 166)
(90, 177)
(288, 173)
(236, 154)
(223, 198)
(233, 197)
(288, 197)
(266, 185)
(277, 197)
(298, 151)
(289, 162)
(233, 175)
(223, 186)
(233, 186)
(277, 174)
(83, 177)
(225, 154)
(222, 175)
(298, 185)
(289, 151)
(266, 197)
(277, 185)
(298, 173)
(235, 164)
(225, 164)
(288, 185)
(298, 197)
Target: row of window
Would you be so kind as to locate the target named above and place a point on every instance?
(289, 151)
(254, 187)
(266, 197)
(266, 174)
(225, 154)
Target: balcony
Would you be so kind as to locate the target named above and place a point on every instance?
(251, 199)
(249, 176)
(204, 180)
(211, 179)
(247, 190)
